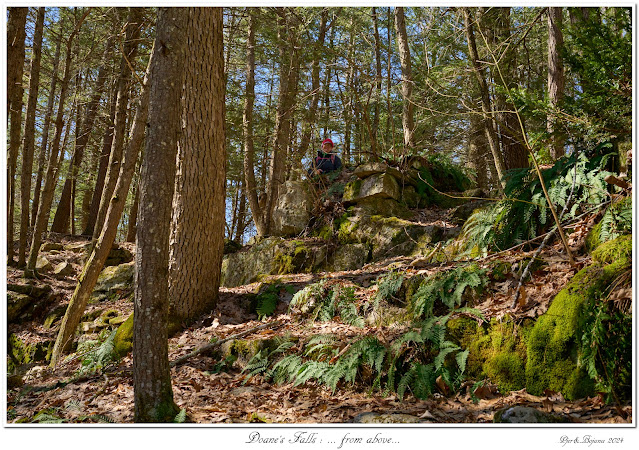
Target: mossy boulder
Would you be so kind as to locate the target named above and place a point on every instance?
(273, 256)
(242, 350)
(554, 344)
(123, 340)
(497, 350)
(113, 280)
(410, 198)
(16, 304)
(378, 186)
(118, 256)
(461, 213)
(21, 352)
(392, 236)
(54, 316)
(350, 257)
(293, 209)
(619, 249)
(231, 246)
(24, 302)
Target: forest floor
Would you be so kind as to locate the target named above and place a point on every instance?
(213, 393)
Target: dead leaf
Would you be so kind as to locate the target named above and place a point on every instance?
(443, 387)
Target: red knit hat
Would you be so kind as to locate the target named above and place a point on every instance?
(328, 141)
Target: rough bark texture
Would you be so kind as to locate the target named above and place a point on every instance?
(485, 98)
(103, 165)
(198, 204)
(133, 27)
(289, 71)
(42, 158)
(153, 393)
(133, 217)
(16, 34)
(407, 78)
(309, 120)
(556, 78)
(378, 80)
(103, 245)
(497, 31)
(247, 128)
(29, 136)
(44, 206)
(63, 216)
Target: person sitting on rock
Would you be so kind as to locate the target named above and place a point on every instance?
(326, 160)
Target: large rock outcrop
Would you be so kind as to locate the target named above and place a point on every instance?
(293, 209)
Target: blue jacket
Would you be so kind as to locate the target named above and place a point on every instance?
(326, 162)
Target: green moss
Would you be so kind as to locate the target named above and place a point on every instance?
(592, 239)
(24, 353)
(283, 263)
(507, 370)
(496, 350)
(351, 190)
(123, 340)
(345, 231)
(554, 343)
(615, 250)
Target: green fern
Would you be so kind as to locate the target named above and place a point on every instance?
(617, 220)
(181, 416)
(99, 357)
(448, 288)
(525, 214)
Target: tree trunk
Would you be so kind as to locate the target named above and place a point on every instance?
(497, 26)
(407, 79)
(62, 216)
(16, 35)
(152, 389)
(485, 99)
(44, 207)
(107, 141)
(241, 214)
(198, 203)
(247, 129)
(133, 217)
(289, 70)
(29, 136)
(103, 245)
(309, 120)
(42, 158)
(133, 28)
(556, 79)
(378, 80)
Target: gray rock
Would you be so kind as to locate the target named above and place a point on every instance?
(272, 256)
(16, 304)
(292, 212)
(43, 264)
(526, 414)
(118, 255)
(378, 186)
(461, 213)
(78, 247)
(350, 257)
(63, 269)
(112, 279)
(48, 246)
(410, 197)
